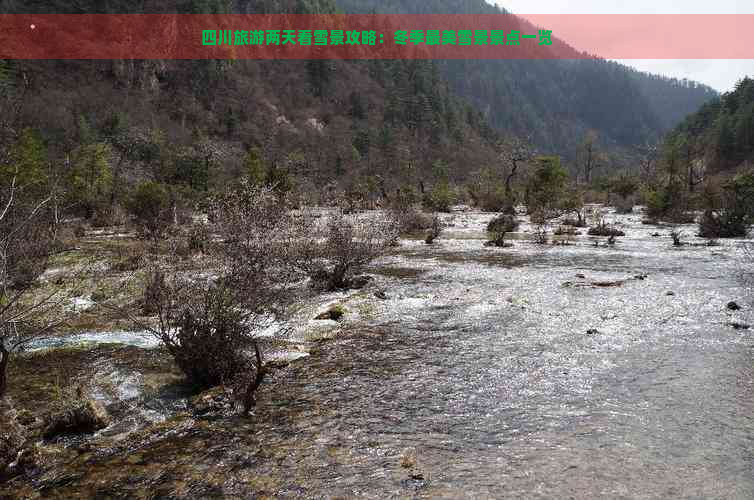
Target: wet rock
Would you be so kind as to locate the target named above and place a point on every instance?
(380, 294)
(592, 331)
(641, 277)
(733, 306)
(580, 276)
(358, 282)
(739, 326)
(334, 313)
(27, 418)
(498, 244)
(281, 359)
(212, 401)
(12, 437)
(608, 284)
(670, 294)
(595, 284)
(81, 417)
(656, 235)
(416, 475)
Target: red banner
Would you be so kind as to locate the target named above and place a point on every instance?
(184, 36)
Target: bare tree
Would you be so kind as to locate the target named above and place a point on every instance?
(515, 153)
(28, 239)
(589, 154)
(647, 156)
(748, 264)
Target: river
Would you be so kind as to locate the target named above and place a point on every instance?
(507, 373)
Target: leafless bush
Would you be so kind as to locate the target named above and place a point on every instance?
(208, 322)
(349, 244)
(747, 266)
(129, 258)
(498, 240)
(540, 234)
(503, 224)
(677, 236)
(435, 230)
(604, 229)
(198, 238)
(410, 219)
(28, 239)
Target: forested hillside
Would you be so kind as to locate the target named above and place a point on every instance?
(720, 136)
(201, 123)
(555, 103)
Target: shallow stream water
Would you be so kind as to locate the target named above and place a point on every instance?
(508, 373)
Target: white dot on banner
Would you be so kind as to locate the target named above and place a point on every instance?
(32, 26)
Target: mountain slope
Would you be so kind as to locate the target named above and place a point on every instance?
(354, 121)
(720, 136)
(557, 102)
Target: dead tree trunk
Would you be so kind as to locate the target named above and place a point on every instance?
(249, 400)
(4, 357)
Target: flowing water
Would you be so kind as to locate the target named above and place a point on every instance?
(530, 372)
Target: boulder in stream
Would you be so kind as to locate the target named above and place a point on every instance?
(359, 282)
(739, 326)
(334, 313)
(212, 401)
(80, 417)
(732, 306)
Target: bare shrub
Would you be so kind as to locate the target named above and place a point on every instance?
(402, 209)
(111, 216)
(198, 238)
(28, 239)
(349, 244)
(747, 265)
(604, 229)
(729, 208)
(540, 234)
(208, 323)
(498, 240)
(79, 230)
(410, 219)
(714, 224)
(150, 205)
(435, 230)
(503, 224)
(129, 258)
(677, 236)
(154, 288)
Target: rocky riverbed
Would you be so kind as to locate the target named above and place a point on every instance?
(540, 371)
